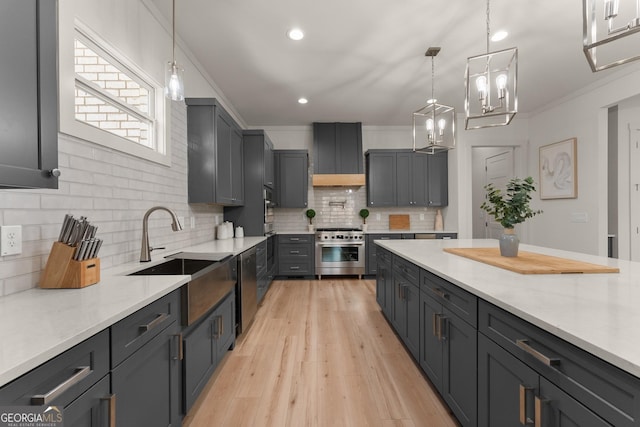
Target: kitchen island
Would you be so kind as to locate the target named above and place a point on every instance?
(522, 322)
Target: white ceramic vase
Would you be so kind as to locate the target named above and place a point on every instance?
(509, 243)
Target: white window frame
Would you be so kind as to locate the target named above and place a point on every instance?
(159, 106)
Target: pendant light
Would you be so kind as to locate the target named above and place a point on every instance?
(434, 124)
(173, 82)
(491, 96)
(610, 33)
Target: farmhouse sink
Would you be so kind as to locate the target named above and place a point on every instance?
(175, 267)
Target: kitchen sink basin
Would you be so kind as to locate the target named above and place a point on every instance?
(175, 267)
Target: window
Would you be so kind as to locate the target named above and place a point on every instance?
(107, 99)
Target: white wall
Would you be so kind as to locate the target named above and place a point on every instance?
(584, 116)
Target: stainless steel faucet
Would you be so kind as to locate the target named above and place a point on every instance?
(145, 251)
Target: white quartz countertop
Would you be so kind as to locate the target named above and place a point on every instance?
(596, 312)
(38, 324)
(410, 231)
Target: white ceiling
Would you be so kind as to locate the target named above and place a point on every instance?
(363, 60)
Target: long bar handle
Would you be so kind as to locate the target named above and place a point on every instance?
(155, 322)
(80, 373)
(549, 361)
(538, 410)
(440, 293)
(524, 420)
(180, 355)
(111, 400)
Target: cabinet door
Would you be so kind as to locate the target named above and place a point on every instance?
(292, 185)
(29, 103)
(349, 148)
(411, 296)
(558, 409)
(500, 378)
(237, 169)
(224, 130)
(269, 178)
(420, 179)
(91, 409)
(430, 345)
(147, 384)
(383, 282)
(201, 153)
(324, 148)
(381, 179)
(404, 179)
(199, 359)
(398, 306)
(225, 324)
(438, 179)
(459, 383)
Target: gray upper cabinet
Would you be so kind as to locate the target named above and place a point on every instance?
(381, 178)
(292, 178)
(405, 178)
(337, 148)
(215, 153)
(29, 103)
(268, 178)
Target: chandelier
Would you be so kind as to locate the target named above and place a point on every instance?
(491, 95)
(434, 124)
(608, 34)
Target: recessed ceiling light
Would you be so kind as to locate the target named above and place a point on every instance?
(303, 101)
(499, 35)
(295, 34)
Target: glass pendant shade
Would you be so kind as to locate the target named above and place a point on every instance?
(173, 74)
(491, 97)
(174, 82)
(611, 32)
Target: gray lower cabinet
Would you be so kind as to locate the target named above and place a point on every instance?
(405, 311)
(262, 276)
(371, 249)
(384, 281)
(572, 387)
(292, 178)
(146, 365)
(448, 344)
(29, 102)
(81, 374)
(296, 254)
(205, 344)
(215, 154)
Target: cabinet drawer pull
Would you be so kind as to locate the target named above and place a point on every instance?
(538, 411)
(111, 401)
(294, 252)
(44, 399)
(155, 322)
(549, 361)
(440, 293)
(180, 351)
(524, 420)
(294, 267)
(294, 239)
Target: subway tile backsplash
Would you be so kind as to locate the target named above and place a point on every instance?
(113, 190)
(339, 207)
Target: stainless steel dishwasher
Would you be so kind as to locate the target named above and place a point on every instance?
(248, 290)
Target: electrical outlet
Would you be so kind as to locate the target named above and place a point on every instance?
(193, 222)
(10, 240)
(421, 217)
(181, 221)
(377, 217)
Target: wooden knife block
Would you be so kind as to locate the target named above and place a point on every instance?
(62, 271)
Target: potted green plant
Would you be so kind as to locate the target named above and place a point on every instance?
(364, 213)
(310, 213)
(510, 208)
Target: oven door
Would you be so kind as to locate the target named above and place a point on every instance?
(340, 258)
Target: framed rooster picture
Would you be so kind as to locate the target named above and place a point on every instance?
(559, 170)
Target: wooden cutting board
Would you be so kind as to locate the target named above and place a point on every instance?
(399, 222)
(531, 263)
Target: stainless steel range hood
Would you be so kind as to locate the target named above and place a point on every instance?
(338, 180)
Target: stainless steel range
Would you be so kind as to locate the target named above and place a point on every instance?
(340, 251)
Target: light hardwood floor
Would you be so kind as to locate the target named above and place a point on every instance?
(319, 353)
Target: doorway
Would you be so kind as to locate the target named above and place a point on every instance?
(491, 165)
